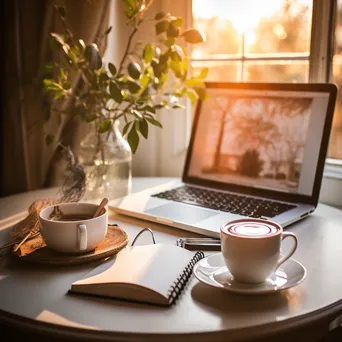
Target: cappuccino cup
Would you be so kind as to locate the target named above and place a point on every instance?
(251, 248)
(74, 229)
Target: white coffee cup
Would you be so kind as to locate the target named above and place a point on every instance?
(74, 236)
(251, 248)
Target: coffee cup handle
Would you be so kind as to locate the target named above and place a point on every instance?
(82, 237)
(285, 257)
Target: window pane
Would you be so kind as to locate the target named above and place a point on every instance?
(250, 26)
(219, 71)
(222, 38)
(286, 30)
(335, 147)
(286, 71)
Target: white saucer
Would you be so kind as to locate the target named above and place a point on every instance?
(213, 271)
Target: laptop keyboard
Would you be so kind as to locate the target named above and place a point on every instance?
(236, 204)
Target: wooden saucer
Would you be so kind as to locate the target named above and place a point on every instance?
(115, 240)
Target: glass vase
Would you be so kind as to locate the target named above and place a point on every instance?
(107, 162)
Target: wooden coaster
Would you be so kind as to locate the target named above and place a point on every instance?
(115, 240)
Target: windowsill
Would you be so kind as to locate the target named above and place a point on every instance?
(331, 191)
(333, 169)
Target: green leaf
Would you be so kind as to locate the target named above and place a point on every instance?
(67, 85)
(54, 45)
(137, 114)
(58, 38)
(144, 81)
(169, 41)
(112, 69)
(160, 15)
(126, 127)
(90, 117)
(201, 92)
(93, 57)
(154, 122)
(192, 96)
(133, 87)
(134, 70)
(103, 77)
(143, 128)
(81, 44)
(71, 54)
(177, 22)
(51, 85)
(172, 31)
(159, 106)
(115, 92)
(133, 139)
(175, 67)
(130, 8)
(104, 126)
(162, 26)
(149, 109)
(194, 82)
(136, 124)
(175, 56)
(49, 139)
(176, 106)
(193, 36)
(148, 53)
(203, 73)
(164, 57)
(178, 50)
(58, 94)
(108, 30)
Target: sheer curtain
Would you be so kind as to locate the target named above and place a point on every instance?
(26, 161)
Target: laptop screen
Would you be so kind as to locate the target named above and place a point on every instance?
(261, 136)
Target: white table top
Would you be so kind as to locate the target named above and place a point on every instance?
(36, 297)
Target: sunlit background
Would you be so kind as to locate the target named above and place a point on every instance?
(262, 41)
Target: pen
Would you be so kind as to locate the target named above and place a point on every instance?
(200, 243)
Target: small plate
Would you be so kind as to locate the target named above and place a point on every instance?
(213, 271)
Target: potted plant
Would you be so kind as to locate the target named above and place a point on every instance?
(132, 91)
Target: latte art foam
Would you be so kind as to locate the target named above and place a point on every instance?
(252, 229)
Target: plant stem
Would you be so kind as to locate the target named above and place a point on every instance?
(128, 47)
(116, 117)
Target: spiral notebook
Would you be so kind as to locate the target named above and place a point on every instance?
(154, 274)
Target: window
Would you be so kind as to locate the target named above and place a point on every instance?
(269, 40)
(297, 49)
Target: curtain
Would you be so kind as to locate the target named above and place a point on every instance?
(26, 161)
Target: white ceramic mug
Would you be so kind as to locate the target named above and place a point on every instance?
(76, 236)
(251, 248)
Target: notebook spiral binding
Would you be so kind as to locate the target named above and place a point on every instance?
(179, 285)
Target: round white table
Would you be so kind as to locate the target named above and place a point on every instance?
(35, 299)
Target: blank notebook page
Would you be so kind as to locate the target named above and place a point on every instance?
(155, 267)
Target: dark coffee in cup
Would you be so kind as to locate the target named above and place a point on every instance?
(72, 217)
(72, 227)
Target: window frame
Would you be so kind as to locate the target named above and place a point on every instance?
(172, 150)
(321, 53)
(321, 56)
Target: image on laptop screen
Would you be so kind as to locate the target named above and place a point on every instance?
(266, 139)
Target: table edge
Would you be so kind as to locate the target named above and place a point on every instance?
(328, 313)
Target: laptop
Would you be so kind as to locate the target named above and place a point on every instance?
(256, 150)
